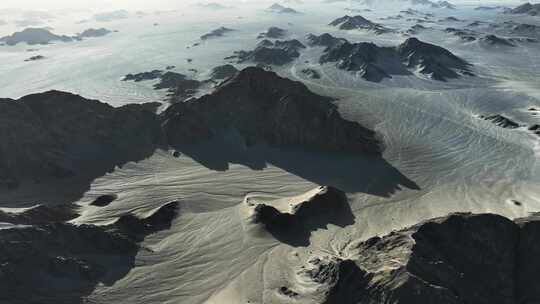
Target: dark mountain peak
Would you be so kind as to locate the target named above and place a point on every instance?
(374, 63)
(527, 8)
(257, 80)
(366, 58)
(325, 40)
(59, 101)
(266, 108)
(413, 43)
(358, 22)
(279, 52)
(413, 46)
(432, 60)
(352, 20)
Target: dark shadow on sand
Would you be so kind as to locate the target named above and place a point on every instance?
(349, 173)
(59, 190)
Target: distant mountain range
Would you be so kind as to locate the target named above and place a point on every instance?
(33, 36)
(527, 8)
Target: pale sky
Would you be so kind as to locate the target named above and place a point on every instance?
(143, 4)
(96, 4)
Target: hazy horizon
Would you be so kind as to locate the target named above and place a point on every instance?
(160, 4)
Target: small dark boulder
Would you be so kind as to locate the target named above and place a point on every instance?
(311, 73)
(104, 200)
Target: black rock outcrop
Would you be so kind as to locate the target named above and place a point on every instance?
(35, 58)
(501, 121)
(104, 200)
(143, 76)
(311, 73)
(219, 32)
(294, 222)
(223, 72)
(137, 228)
(535, 129)
(265, 108)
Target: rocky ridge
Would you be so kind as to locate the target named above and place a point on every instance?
(47, 260)
(461, 258)
(527, 8)
(269, 109)
(375, 63)
(359, 23)
(279, 52)
(60, 135)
